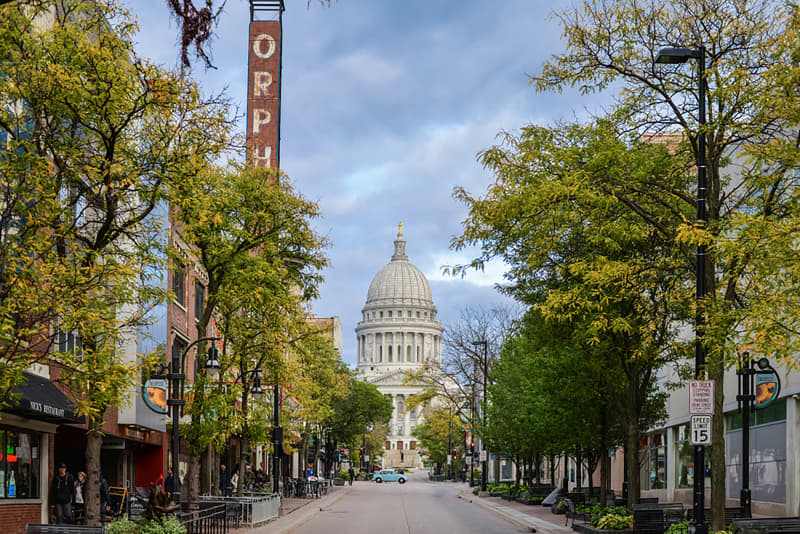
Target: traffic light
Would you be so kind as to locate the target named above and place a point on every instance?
(472, 448)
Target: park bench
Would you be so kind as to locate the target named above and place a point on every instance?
(648, 520)
(648, 500)
(535, 494)
(61, 529)
(731, 514)
(772, 525)
(673, 511)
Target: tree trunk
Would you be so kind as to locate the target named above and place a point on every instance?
(537, 465)
(91, 493)
(717, 452)
(518, 474)
(552, 462)
(193, 478)
(632, 457)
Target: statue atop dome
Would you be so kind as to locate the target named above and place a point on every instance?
(400, 246)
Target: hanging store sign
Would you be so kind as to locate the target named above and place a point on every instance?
(154, 393)
(768, 387)
(263, 94)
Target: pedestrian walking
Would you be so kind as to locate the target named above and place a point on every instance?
(223, 480)
(78, 509)
(62, 495)
(235, 482)
(352, 473)
(105, 499)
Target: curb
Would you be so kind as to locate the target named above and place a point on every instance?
(520, 519)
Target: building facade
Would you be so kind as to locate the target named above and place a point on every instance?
(398, 332)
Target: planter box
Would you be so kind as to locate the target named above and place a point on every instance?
(586, 528)
(338, 482)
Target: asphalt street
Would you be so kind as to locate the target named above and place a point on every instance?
(416, 507)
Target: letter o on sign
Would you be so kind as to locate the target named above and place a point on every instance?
(258, 46)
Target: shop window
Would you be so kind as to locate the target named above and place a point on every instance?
(771, 414)
(179, 283)
(654, 455)
(19, 465)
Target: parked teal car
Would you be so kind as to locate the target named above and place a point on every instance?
(389, 475)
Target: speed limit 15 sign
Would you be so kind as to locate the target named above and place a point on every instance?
(700, 431)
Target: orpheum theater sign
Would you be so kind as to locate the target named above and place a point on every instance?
(263, 94)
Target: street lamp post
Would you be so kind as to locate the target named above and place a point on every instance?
(176, 377)
(674, 56)
(277, 440)
(483, 407)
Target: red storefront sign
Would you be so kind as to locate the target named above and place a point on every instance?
(263, 93)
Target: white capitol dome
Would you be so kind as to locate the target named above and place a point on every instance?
(398, 324)
(399, 282)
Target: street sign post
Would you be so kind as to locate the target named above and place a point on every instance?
(700, 431)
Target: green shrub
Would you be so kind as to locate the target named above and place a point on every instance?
(598, 512)
(165, 525)
(615, 522)
(476, 489)
(678, 528)
(123, 526)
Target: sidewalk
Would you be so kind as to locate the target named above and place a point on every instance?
(537, 518)
(294, 512)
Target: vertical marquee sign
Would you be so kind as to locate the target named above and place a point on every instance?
(264, 93)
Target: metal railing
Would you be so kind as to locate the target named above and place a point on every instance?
(252, 510)
(211, 520)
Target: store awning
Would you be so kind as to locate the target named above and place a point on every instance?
(38, 398)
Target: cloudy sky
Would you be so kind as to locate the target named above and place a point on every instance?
(385, 106)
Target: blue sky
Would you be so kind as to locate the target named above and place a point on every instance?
(385, 106)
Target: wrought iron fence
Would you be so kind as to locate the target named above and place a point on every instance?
(210, 520)
(250, 510)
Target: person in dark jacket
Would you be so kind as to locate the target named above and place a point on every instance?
(223, 479)
(169, 482)
(105, 499)
(62, 495)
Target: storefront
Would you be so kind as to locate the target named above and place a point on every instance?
(27, 433)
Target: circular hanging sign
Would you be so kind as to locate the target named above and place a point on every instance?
(154, 393)
(768, 387)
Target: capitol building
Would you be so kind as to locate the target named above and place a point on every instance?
(398, 332)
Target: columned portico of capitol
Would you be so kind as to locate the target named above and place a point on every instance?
(398, 332)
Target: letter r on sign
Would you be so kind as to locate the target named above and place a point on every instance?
(261, 82)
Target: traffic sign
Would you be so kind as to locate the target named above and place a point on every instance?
(700, 432)
(366, 458)
(701, 397)
(483, 456)
(468, 459)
